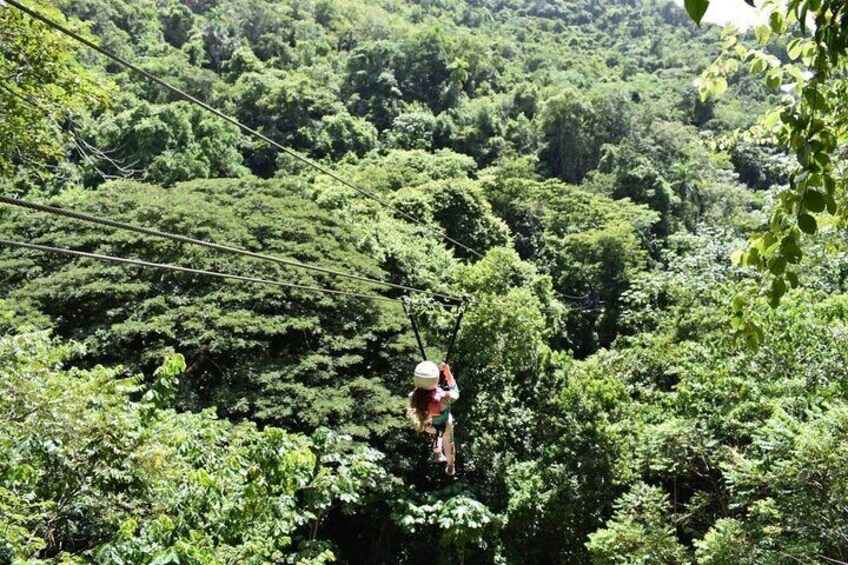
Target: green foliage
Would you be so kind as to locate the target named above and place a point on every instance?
(726, 542)
(221, 328)
(372, 87)
(586, 435)
(639, 532)
(565, 142)
(292, 69)
(91, 475)
(575, 127)
(413, 129)
(342, 133)
(165, 381)
(171, 143)
(43, 85)
(697, 9)
(807, 125)
(460, 520)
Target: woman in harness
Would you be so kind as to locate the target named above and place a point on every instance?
(429, 409)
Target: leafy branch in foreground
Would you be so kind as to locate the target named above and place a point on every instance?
(41, 84)
(91, 475)
(697, 8)
(810, 125)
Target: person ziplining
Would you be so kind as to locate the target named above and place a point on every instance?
(435, 391)
(429, 409)
(429, 405)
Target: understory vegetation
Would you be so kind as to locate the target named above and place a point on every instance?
(598, 177)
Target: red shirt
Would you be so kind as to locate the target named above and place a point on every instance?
(434, 408)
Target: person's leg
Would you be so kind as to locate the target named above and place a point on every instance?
(437, 444)
(449, 447)
(438, 449)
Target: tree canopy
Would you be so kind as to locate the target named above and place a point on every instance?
(596, 178)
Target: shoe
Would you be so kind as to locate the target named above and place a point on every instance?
(440, 458)
(450, 469)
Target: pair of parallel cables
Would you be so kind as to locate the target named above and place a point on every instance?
(445, 298)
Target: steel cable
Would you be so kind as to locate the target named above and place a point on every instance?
(189, 98)
(216, 246)
(166, 266)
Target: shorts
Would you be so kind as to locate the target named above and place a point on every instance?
(440, 422)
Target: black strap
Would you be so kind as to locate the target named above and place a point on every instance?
(462, 308)
(407, 308)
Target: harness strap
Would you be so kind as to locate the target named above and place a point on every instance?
(462, 309)
(410, 313)
(407, 308)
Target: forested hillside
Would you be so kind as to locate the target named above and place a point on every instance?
(629, 394)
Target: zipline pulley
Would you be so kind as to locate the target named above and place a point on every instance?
(592, 306)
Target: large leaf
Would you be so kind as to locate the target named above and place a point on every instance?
(697, 9)
(807, 223)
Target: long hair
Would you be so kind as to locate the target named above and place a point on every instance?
(416, 409)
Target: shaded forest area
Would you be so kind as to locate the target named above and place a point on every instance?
(157, 417)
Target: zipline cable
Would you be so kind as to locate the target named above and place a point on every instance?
(166, 266)
(189, 98)
(216, 246)
(147, 231)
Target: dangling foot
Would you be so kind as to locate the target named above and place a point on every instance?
(440, 458)
(450, 468)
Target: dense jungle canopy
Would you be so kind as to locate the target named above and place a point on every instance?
(600, 177)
